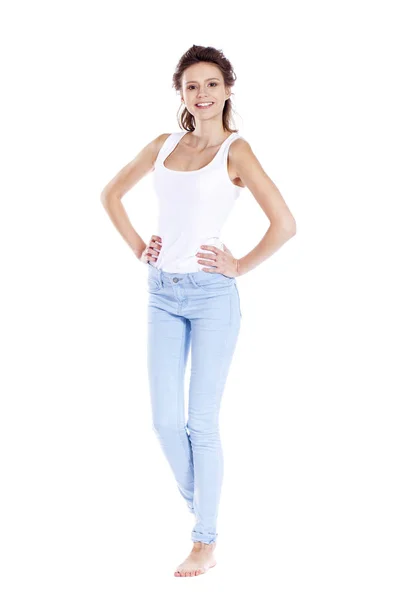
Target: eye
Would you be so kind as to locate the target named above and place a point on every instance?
(212, 83)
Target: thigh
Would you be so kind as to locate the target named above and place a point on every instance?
(168, 344)
(215, 330)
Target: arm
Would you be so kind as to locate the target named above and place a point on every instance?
(124, 180)
(282, 224)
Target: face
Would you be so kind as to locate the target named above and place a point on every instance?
(203, 83)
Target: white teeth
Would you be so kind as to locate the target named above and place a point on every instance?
(204, 104)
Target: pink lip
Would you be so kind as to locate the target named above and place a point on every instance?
(212, 104)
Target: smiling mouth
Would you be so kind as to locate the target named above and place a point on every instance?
(206, 106)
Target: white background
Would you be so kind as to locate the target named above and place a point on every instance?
(309, 418)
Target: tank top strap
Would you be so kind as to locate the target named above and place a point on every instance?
(224, 150)
(169, 144)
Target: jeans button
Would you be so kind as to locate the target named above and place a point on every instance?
(175, 279)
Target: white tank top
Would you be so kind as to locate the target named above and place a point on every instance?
(193, 206)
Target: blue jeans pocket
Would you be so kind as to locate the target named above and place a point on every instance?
(153, 281)
(214, 282)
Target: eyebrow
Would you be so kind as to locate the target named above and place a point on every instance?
(209, 79)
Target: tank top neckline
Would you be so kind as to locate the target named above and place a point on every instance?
(181, 135)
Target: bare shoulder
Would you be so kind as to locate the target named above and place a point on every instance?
(242, 157)
(156, 146)
(142, 164)
(239, 148)
(160, 140)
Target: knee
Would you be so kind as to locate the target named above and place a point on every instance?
(165, 428)
(203, 431)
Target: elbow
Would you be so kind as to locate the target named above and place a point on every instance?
(107, 199)
(104, 196)
(288, 227)
(291, 228)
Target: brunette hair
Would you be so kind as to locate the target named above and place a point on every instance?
(209, 54)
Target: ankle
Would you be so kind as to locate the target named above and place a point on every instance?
(203, 546)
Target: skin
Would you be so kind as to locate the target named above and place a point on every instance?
(200, 559)
(244, 167)
(203, 82)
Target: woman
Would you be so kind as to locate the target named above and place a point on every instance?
(193, 297)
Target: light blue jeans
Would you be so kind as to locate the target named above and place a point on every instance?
(200, 311)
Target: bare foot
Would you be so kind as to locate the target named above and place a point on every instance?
(199, 560)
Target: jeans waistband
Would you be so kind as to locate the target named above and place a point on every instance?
(166, 278)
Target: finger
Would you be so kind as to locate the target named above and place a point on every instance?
(212, 249)
(151, 249)
(206, 262)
